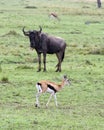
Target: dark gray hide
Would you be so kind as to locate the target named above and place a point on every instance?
(43, 43)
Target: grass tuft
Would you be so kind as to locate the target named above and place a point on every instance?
(97, 51)
(11, 33)
(5, 80)
(24, 67)
(31, 7)
(87, 62)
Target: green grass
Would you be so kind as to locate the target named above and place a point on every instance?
(81, 106)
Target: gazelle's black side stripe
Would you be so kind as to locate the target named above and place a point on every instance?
(51, 87)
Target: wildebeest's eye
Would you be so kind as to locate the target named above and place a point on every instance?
(32, 34)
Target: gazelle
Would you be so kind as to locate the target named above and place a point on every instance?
(54, 16)
(50, 87)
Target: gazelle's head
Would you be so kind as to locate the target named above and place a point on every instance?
(66, 80)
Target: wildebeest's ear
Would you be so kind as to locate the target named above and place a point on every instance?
(24, 32)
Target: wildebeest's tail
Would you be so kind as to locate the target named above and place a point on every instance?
(63, 56)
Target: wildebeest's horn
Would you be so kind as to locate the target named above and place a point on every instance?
(24, 32)
(40, 29)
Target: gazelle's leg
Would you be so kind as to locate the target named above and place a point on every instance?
(37, 99)
(49, 99)
(38, 94)
(55, 98)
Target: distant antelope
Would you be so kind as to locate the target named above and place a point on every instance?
(50, 87)
(54, 16)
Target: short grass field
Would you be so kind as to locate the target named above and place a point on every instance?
(80, 105)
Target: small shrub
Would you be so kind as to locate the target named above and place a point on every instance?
(87, 62)
(5, 79)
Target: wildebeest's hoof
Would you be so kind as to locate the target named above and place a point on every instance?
(58, 70)
(38, 70)
(44, 71)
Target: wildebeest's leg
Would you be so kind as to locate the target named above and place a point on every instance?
(44, 61)
(59, 62)
(39, 60)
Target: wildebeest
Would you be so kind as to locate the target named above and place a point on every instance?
(43, 43)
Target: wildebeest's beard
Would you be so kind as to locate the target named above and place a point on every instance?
(34, 39)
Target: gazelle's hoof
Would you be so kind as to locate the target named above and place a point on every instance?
(46, 106)
(36, 105)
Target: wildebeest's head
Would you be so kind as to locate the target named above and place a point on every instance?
(34, 36)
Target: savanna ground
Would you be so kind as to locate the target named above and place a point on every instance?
(81, 106)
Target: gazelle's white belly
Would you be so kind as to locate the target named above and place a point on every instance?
(50, 90)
